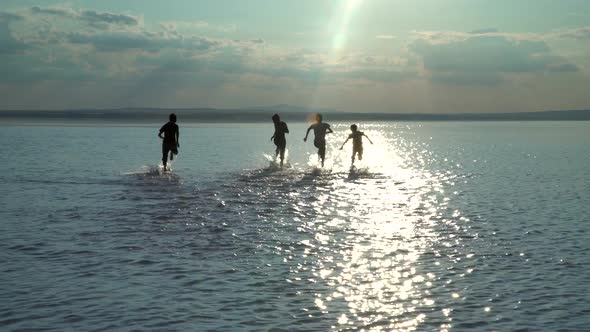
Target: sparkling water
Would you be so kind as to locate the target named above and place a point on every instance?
(441, 226)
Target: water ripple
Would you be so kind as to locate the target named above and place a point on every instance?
(424, 234)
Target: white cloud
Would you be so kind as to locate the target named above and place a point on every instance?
(200, 26)
(385, 37)
(579, 33)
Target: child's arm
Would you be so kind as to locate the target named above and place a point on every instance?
(177, 137)
(329, 130)
(161, 132)
(368, 138)
(344, 143)
(286, 129)
(307, 133)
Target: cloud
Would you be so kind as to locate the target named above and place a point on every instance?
(563, 68)
(483, 54)
(8, 43)
(150, 42)
(484, 60)
(231, 63)
(481, 59)
(467, 79)
(57, 11)
(443, 37)
(64, 44)
(91, 17)
(576, 33)
(385, 37)
(198, 26)
(376, 74)
(8, 17)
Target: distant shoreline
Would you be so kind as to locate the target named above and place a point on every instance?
(256, 116)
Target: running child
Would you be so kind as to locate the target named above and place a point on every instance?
(279, 136)
(320, 129)
(170, 139)
(357, 142)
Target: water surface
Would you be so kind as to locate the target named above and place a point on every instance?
(443, 226)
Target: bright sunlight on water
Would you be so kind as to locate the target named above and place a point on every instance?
(441, 226)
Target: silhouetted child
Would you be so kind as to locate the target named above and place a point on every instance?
(357, 142)
(279, 136)
(170, 139)
(320, 129)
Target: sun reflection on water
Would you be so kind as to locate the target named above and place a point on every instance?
(377, 246)
(371, 228)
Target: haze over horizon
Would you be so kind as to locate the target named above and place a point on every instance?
(427, 56)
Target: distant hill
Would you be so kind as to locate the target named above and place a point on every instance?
(285, 108)
(289, 113)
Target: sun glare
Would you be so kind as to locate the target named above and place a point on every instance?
(343, 19)
(378, 275)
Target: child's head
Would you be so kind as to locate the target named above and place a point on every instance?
(276, 118)
(172, 117)
(318, 117)
(353, 127)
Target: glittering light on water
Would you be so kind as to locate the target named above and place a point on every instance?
(372, 229)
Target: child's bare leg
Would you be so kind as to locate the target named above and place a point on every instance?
(164, 158)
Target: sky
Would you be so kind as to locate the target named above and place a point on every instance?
(398, 56)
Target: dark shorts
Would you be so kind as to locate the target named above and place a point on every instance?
(319, 144)
(357, 149)
(280, 143)
(167, 147)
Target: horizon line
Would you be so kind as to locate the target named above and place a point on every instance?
(212, 115)
(301, 110)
